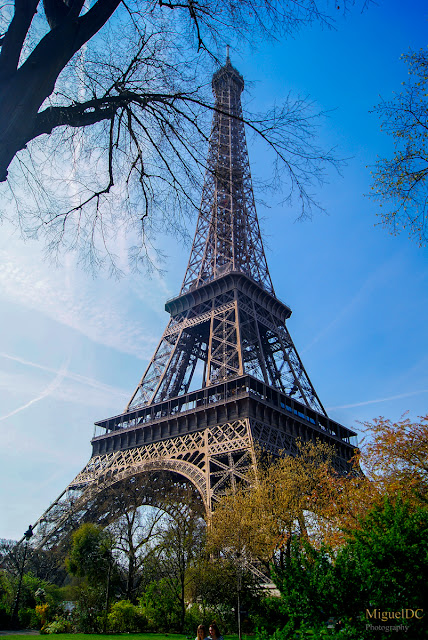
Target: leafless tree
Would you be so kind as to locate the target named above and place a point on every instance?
(10, 556)
(136, 531)
(135, 536)
(401, 180)
(103, 112)
(182, 544)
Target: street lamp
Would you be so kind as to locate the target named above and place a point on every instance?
(27, 535)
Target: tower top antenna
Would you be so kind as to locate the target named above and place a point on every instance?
(227, 53)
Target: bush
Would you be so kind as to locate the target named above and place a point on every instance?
(58, 626)
(309, 631)
(42, 611)
(126, 617)
(160, 607)
(28, 618)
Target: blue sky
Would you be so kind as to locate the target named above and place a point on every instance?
(72, 348)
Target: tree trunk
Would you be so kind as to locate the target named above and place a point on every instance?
(24, 90)
(131, 577)
(27, 88)
(183, 607)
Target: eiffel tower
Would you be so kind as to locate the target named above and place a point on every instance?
(226, 377)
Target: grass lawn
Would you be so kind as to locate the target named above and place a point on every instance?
(103, 636)
(112, 636)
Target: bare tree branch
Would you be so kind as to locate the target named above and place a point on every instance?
(401, 182)
(104, 113)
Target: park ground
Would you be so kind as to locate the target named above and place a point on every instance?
(28, 635)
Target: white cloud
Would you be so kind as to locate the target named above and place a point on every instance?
(99, 311)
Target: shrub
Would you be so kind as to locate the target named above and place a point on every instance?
(126, 617)
(311, 632)
(42, 613)
(160, 607)
(58, 626)
(28, 619)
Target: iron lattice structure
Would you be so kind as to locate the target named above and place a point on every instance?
(227, 338)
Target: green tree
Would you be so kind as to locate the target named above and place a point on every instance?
(90, 553)
(7, 591)
(308, 586)
(384, 564)
(160, 606)
(401, 182)
(91, 559)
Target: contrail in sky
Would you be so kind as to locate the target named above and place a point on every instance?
(71, 376)
(376, 279)
(397, 397)
(49, 389)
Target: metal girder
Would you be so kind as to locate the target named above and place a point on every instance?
(229, 332)
(227, 235)
(234, 337)
(213, 460)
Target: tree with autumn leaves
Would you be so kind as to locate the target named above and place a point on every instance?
(305, 496)
(394, 457)
(286, 495)
(392, 463)
(336, 545)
